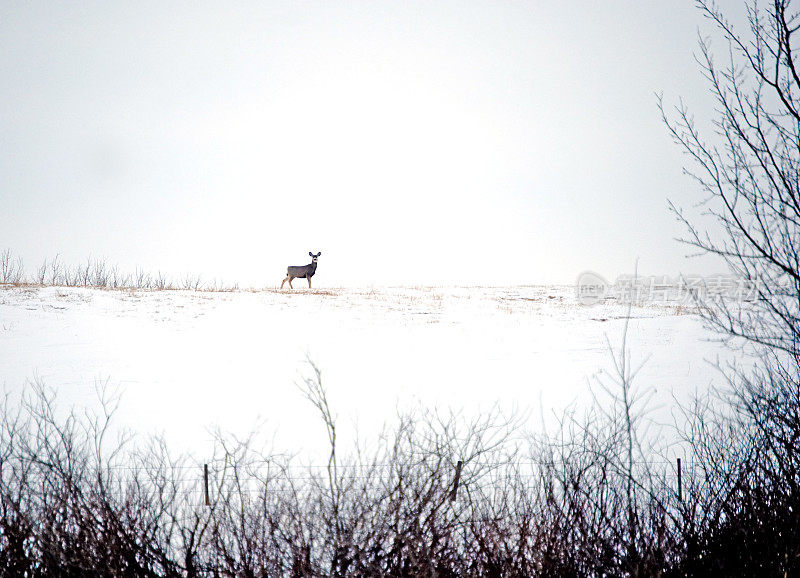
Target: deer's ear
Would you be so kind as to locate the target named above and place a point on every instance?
(320, 253)
(310, 254)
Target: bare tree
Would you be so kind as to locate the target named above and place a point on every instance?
(750, 171)
(745, 497)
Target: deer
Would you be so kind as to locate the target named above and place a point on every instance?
(302, 271)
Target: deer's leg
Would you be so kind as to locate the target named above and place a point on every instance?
(290, 282)
(284, 282)
(309, 282)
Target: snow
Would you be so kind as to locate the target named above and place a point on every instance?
(187, 361)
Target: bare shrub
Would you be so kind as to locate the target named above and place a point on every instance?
(585, 500)
(141, 280)
(74, 502)
(100, 273)
(66, 506)
(594, 497)
(192, 282)
(159, 282)
(11, 268)
(56, 272)
(97, 273)
(41, 273)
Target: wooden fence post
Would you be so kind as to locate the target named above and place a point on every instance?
(205, 483)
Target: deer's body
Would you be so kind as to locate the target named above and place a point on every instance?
(301, 271)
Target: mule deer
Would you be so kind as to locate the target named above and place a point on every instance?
(302, 271)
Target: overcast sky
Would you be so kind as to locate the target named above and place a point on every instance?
(417, 143)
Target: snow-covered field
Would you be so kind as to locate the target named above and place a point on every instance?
(188, 361)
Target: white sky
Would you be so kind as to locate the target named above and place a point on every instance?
(430, 143)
